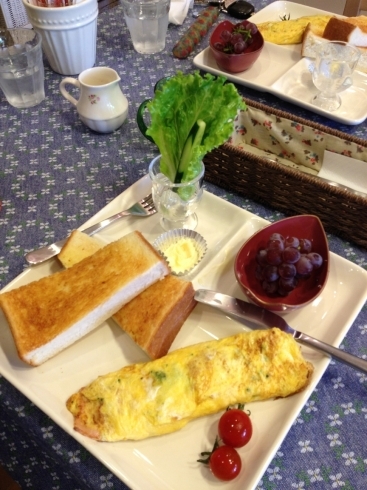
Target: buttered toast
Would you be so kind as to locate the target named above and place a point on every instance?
(162, 396)
(154, 317)
(48, 315)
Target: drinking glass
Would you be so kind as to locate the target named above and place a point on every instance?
(21, 68)
(332, 72)
(176, 203)
(147, 21)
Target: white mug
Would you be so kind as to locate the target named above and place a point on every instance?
(101, 105)
(69, 34)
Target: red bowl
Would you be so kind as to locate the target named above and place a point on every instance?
(235, 63)
(305, 226)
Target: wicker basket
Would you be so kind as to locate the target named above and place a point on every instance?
(290, 190)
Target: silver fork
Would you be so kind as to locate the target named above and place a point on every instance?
(144, 207)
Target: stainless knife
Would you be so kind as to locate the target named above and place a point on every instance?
(255, 317)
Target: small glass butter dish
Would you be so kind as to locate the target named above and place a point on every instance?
(183, 250)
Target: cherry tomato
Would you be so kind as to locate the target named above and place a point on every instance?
(235, 428)
(225, 463)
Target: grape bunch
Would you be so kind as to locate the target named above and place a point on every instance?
(237, 40)
(284, 262)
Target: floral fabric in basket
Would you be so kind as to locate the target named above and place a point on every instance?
(288, 142)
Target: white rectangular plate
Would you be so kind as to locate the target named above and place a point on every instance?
(169, 462)
(278, 66)
(297, 84)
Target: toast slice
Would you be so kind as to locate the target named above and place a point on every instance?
(48, 315)
(352, 30)
(152, 319)
(77, 247)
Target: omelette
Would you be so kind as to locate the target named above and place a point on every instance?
(162, 396)
(291, 31)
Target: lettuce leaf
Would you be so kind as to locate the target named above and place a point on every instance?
(190, 116)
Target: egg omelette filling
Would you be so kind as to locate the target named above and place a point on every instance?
(162, 396)
(291, 31)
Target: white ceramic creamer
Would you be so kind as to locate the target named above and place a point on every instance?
(101, 105)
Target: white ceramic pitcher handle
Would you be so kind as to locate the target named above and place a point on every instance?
(65, 93)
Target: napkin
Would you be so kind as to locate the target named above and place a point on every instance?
(178, 10)
(344, 170)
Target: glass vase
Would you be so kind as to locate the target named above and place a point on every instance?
(176, 203)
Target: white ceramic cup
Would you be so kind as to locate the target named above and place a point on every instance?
(69, 34)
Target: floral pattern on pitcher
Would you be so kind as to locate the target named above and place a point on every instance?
(93, 99)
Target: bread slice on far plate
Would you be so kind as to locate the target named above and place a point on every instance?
(352, 30)
(336, 30)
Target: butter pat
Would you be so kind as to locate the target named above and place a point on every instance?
(182, 255)
(183, 250)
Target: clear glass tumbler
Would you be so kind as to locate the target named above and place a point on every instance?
(21, 68)
(176, 203)
(147, 21)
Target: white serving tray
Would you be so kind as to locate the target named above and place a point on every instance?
(281, 71)
(169, 462)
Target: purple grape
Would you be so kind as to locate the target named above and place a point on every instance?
(291, 255)
(236, 38)
(270, 273)
(239, 47)
(305, 246)
(273, 257)
(252, 28)
(261, 257)
(316, 259)
(287, 271)
(281, 266)
(291, 241)
(287, 285)
(304, 266)
(226, 36)
(276, 236)
(270, 287)
(219, 46)
(259, 273)
(275, 244)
